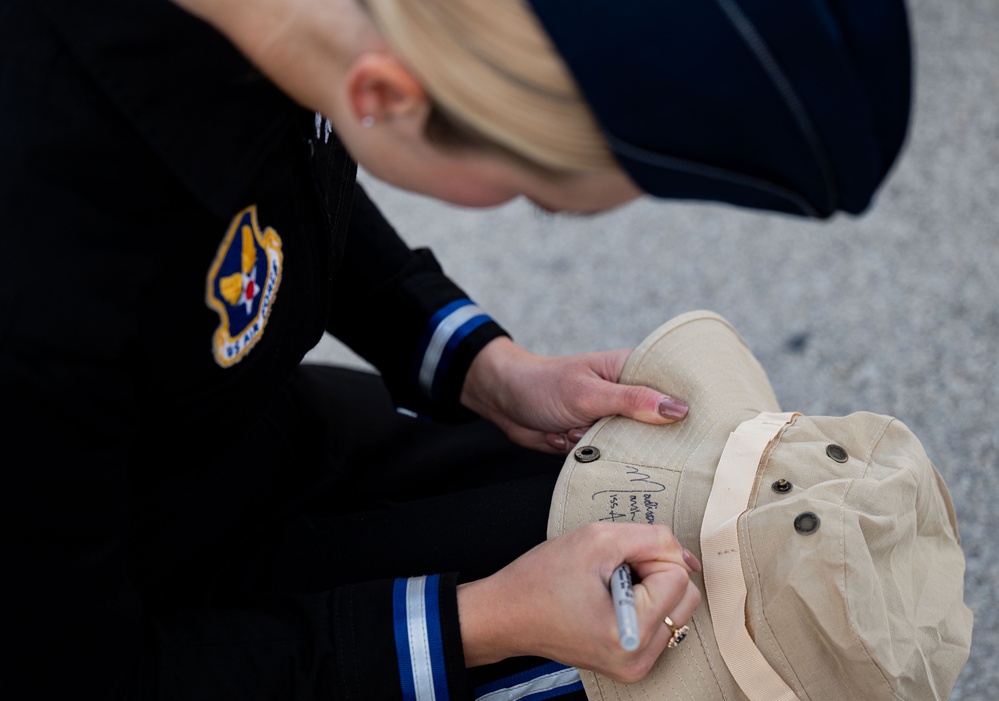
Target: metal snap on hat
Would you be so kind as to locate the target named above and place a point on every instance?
(787, 105)
(832, 561)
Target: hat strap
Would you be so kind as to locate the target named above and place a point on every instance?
(724, 582)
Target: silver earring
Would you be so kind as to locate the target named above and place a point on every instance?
(367, 121)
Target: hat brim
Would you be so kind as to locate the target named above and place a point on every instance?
(664, 474)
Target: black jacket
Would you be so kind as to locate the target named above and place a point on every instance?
(177, 234)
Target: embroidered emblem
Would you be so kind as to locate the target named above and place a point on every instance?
(242, 284)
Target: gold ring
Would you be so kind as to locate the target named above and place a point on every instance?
(678, 633)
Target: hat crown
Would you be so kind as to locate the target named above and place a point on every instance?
(848, 607)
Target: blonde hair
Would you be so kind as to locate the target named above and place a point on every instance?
(495, 80)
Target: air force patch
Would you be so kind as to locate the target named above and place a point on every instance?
(242, 284)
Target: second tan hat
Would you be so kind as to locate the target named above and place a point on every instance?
(832, 563)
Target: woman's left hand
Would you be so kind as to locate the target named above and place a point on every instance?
(548, 402)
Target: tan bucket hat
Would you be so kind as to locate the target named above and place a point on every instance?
(832, 563)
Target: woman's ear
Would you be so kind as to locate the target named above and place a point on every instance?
(380, 89)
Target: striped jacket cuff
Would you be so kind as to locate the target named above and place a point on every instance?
(418, 640)
(444, 333)
(547, 681)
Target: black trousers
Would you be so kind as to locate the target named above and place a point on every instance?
(403, 497)
(408, 497)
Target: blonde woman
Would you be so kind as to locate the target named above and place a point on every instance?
(193, 513)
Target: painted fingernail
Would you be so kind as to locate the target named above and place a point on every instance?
(691, 561)
(558, 442)
(576, 435)
(670, 408)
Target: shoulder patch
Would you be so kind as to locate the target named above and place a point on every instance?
(242, 284)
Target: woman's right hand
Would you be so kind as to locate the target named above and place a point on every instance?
(554, 601)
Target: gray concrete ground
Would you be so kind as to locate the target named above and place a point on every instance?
(896, 311)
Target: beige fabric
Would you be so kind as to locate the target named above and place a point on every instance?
(869, 606)
(724, 583)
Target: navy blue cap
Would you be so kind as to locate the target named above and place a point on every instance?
(796, 106)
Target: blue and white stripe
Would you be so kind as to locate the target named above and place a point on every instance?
(419, 650)
(445, 331)
(549, 681)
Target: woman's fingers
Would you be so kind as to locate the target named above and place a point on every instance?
(668, 592)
